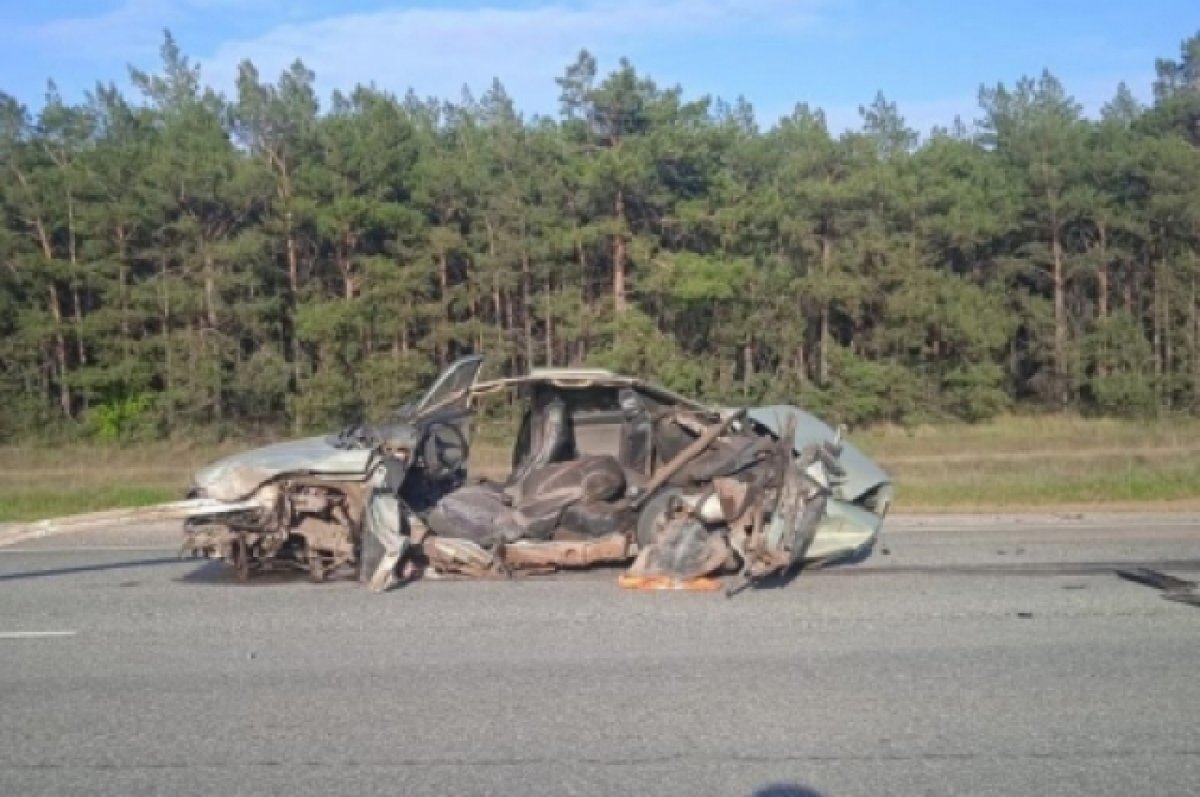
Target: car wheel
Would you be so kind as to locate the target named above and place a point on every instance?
(651, 512)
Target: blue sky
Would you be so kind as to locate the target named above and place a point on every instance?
(930, 56)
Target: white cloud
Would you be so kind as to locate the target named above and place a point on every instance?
(131, 29)
(436, 51)
(924, 114)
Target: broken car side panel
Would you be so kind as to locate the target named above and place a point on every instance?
(860, 499)
(862, 473)
(239, 475)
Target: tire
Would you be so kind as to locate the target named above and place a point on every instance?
(649, 514)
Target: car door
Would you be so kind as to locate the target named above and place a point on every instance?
(452, 389)
(448, 403)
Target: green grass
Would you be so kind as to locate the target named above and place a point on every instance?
(37, 482)
(1016, 484)
(1052, 434)
(1049, 461)
(1010, 464)
(34, 504)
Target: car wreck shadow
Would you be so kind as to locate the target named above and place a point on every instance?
(214, 572)
(775, 580)
(784, 790)
(782, 580)
(97, 568)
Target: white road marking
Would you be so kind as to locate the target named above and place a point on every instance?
(34, 634)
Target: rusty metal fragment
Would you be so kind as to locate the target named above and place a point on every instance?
(460, 557)
(734, 495)
(567, 553)
(693, 450)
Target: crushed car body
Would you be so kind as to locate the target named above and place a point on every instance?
(606, 469)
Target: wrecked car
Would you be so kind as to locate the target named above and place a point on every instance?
(605, 469)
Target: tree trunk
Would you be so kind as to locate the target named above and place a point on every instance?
(60, 343)
(509, 313)
(747, 365)
(293, 267)
(347, 278)
(497, 299)
(1156, 325)
(76, 303)
(123, 284)
(619, 244)
(1168, 343)
(168, 360)
(444, 298)
(291, 346)
(342, 255)
(1061, 370)
(289, 230)
(477, 323)
(210, 290)
(823, 354)
(293, 261)
(585, 327)
(60, 351)
(1103, 366)
(526, 307)
(77, 307)
(549, 322)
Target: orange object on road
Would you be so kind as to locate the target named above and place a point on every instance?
(668, 583)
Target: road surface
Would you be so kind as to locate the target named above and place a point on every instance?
(968, 656)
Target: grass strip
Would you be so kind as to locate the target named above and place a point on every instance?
(1009, 464)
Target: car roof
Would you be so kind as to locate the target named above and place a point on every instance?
(562, 377)
(583, 378)
(573, 373)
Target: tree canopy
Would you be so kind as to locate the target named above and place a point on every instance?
(181, 260)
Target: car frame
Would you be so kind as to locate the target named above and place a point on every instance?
(746, 491)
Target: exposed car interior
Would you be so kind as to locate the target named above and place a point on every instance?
(578, 453)
(582, 452)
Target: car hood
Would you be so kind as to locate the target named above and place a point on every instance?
(863, 474)
(237, 476)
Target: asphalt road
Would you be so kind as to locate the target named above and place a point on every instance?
(978, 656)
